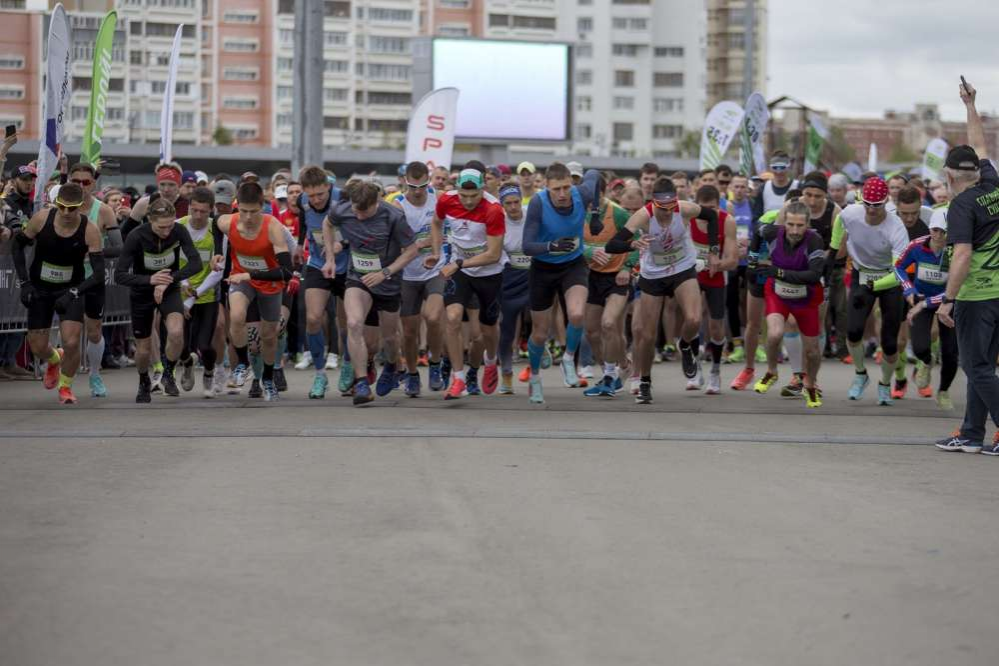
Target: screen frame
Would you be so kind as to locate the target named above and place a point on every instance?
(570, 92)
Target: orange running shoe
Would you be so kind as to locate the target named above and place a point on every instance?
(743, 379)
(525, 374)
(490, 379)
(926, 392)
(456, 390)
(847, 360)
(52, 373)
(66, 396)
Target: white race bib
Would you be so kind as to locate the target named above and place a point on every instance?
(421, 236)
(365, 263)
(668, 257)
(206, 256)
(931, 274)
(469, 252)
(790, 291)
(520, 260)
(870, 276)
(56, 274)
(252, 263)
(157, 262)
(742, 233)
(702, 252)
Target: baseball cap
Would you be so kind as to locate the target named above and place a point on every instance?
(504, 169)
(202, 177)
(939, 219)
(470, 177)
(617, 182)
(875, 191)
(962, 158)
(225, 192)
(575, 169)
(526, 166)
(281, 192)
(189, 177)
(26, 171)
(249, 176)
(494, 171)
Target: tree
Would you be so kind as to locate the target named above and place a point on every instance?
(690, 144)
(901, 153)
(837, 150)
(222, 136)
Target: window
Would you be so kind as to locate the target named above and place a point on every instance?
(584, 131)
(624, 78)
(667, 131)
(116, 85)
(82, 83)
(625, 49)
(378, 44)
(454, 30)
(12, 92)
(534, 22)
(244, 133)
(624, 102)
(584, 24)
(114, 113)
(242, 73)
(240, 45)
(385, 14)
(454, 4)
(11, 62)
(78, 113)
(499, 20)
(585, 3)
(584, 50)
(667, 104)
(334, 38)
(335, 9)
(16, 121)
(283, 120)
(335, 94)
(584, 103)
(669, 51)
(619, 23)
(285, 92)
(378, 125)
(584, 77)
(239, 103)
(285, 64)
(668, 79)
(159, 88)
(336, 122)
(638, 24)
(240, 16)
(286, 37)
(136, 57)
(390, 98)
(623, 131)
(135, 28)
(378, 71)
(183, 120)
(335, 66)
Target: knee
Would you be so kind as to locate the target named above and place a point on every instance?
(608, 327)
(314, 322)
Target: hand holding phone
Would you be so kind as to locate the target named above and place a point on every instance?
(11, 131)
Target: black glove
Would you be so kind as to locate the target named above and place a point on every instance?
(859, 295)
(595, 222)
(770, 271)
(27, 294)
(64, 302)
(567, 244)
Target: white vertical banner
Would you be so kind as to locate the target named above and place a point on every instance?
(720, 127)
(752, 157)
(166, 115)
(872, 158)
(430, 138)
(57, 92)
(933, 159)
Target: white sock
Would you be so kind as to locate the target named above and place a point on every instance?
(793, 344)
(487, 359)
(95, 354)
(610, 370)
(459, 374)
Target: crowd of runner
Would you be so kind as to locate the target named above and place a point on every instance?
(462, 271)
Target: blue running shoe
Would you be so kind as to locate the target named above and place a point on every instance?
(413, 385)
(97, 388)
(618, 385)
(362, 392)
(884, 395)
(472, 382)
(436, 380)
(319, 385)
(387, 381)
(860, 382)
(446, 371)
(603, 388)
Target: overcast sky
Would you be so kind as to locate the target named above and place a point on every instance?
(858, 58)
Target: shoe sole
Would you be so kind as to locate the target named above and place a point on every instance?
(361, 403)
(949, 449)
(971, 449)
(989, 453)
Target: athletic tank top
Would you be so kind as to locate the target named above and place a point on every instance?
(255, 254)
(419, 220)
(671, 250)
(206, 248)
(608, 232)
(59, 260)
(702, 245)
(795, 260)
(773, 200)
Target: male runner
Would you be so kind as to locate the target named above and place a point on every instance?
(150, 265)
(647, 176)
(553, 238)
(735, 289)
(55, 284)
(771, 195)
(526, 172)
(167, 187)
(668, 268)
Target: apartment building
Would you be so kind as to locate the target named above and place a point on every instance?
(736, 49)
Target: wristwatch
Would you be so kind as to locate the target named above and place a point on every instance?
(715, 250)
(946, 300)
(459, 263)
(387, 273)
(74, 292)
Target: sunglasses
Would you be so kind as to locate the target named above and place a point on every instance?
(65, 208)
(868, 204)
(81, 182)
(778, 167)
(413, 186)
(664, 205)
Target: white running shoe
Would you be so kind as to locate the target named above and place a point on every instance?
(714, 384)
(696, 383)
(586, 372)
(332, 361)
(156, 385)
(304, 362)
(218, 381)
(636, 382)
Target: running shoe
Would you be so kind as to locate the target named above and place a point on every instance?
(218, 381)
(714, 383)
(52, 372)
(401, 374)
(280, 381)
(332, 361)
(157, 381)
(525, 374)
(618, 385)
(993, 449)
(635, 385)
(884, 395)
(761, 355)
(586, 372)
(304, 361)
(346, 382)
(921, 374)
(958, 443)
(644, 396)
(813, 398)
(690, 365)
(535, 393)
(943, 399)
(794, 387)
(737, 355)
(847, 360)
(145, 393)
(506, 384)
(386, 381)
(901, 385)
(743, 379)
(255, 390)
(208, 384)
(765, 383)
(569, 376)
(66, 396)
(546, 359)
(860, 382)
(422, 361)
(97, 388)
(490, 379)
(187, 375)
(271, 393)
(170, 385)
(435, 380)
(603, 388)
(696, 383)
(472, 382)
(413, 385)
(362, 392)
(456, 390)
(319, 385)
(239, 374)
(446, 371)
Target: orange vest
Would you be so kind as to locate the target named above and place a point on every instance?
(254, 254)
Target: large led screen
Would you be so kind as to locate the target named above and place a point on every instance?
(509, 90)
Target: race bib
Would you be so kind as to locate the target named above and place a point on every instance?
(520, 260)
(316, 240)
(422, 236)
(790, 291)
(742, 233)
(931, 274)
(668, 257)
(252, 263)
(56, 274)
(869, 276)
(157, 262)
(206, 256)
(575, 246)
(469, 252)
(702, 253)
(366, 263)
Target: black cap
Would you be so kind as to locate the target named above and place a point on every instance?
(962, 158)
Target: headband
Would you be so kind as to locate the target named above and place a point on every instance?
(168, 173)
(508, 190)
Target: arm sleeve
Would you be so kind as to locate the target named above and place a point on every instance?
(837, 233)
(903, 262)
(621, 243)
(194, 262)
(283, 271)
(123, 270)
(114, 243)
(767, 233)
(816, 264)
(128, 226)
(98, 275)
(532, 226)
(589, 188)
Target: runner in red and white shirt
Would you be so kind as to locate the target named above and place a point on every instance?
(475, 234)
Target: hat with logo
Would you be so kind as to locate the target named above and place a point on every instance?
(962, 158)
(526, 166)
(225, 192)
(470, 179)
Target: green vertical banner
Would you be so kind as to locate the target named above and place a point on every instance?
(92, 136)
(817, 135)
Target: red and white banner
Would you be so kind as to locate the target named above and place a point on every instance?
(57, 92)
(431, 128)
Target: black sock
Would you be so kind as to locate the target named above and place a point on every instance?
(144, 378)
(268, 372)
(243, 355)
(695, 345)
(646, 379)
(208, 357)
(716, 352)
(168, 366)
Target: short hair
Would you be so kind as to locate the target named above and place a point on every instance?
(477, 165)
(707, 194)
(159, 209)
(779, 153)
(649, 167)
(70, 193)
(704, 172)
(724, 169)
(839, 180)
(203, 195)
(798, 208)
(740, 175)
(663, 185)
(815, 179)
(557, 171)
(250, 192)
(312, 176)
(416, 170)
(442, 168)
(84, 166)
(792, 194)
(908, 195)
(899, 176)
(680, 174)
(364, 194)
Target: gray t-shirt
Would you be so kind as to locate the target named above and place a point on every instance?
(374, 243)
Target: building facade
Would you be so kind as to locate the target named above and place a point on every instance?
(736, 55)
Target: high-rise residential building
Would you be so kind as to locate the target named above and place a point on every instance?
(736, 49)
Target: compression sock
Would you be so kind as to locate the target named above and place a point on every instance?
(534, 354)
(65, 382)
(158, 366)
(257, 361)
(573, 335)
(716, 354)
(243, 355)
(887, 369)
(268, 369)
(900, 366)
(95, 354)
(317, 347)
(857, 352)
(792, 341)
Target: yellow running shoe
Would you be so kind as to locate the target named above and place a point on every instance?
(813, 397)
(765, 382)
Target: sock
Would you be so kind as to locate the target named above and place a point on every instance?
(144, 378)
(716, 354)
(459, 374)
(856, 350)
(792, 341)
(414, 374)
(900, 365)
(694, 345)
(646, 379)
(95, 354)
(64, 381)
(317, 348)
(534, 354)
(887, 369)
(736, 343)
(257, 361)
(487, 359)
(268, 371)
(242, 355)
(573, 335)
(610, 370)
(208, 357)
(54, 358)
(167, 366)
(158, 366)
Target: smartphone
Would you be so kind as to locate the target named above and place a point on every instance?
(11, 130)
(964, 84)
(110, 167)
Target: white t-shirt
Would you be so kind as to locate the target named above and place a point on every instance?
(420, 220)
(873, 247)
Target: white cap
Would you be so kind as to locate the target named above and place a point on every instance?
(201, 176)
(575, 169)
(53, 193)
(281, 192)
(939, 219)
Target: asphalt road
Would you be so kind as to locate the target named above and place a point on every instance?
(739, 529)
